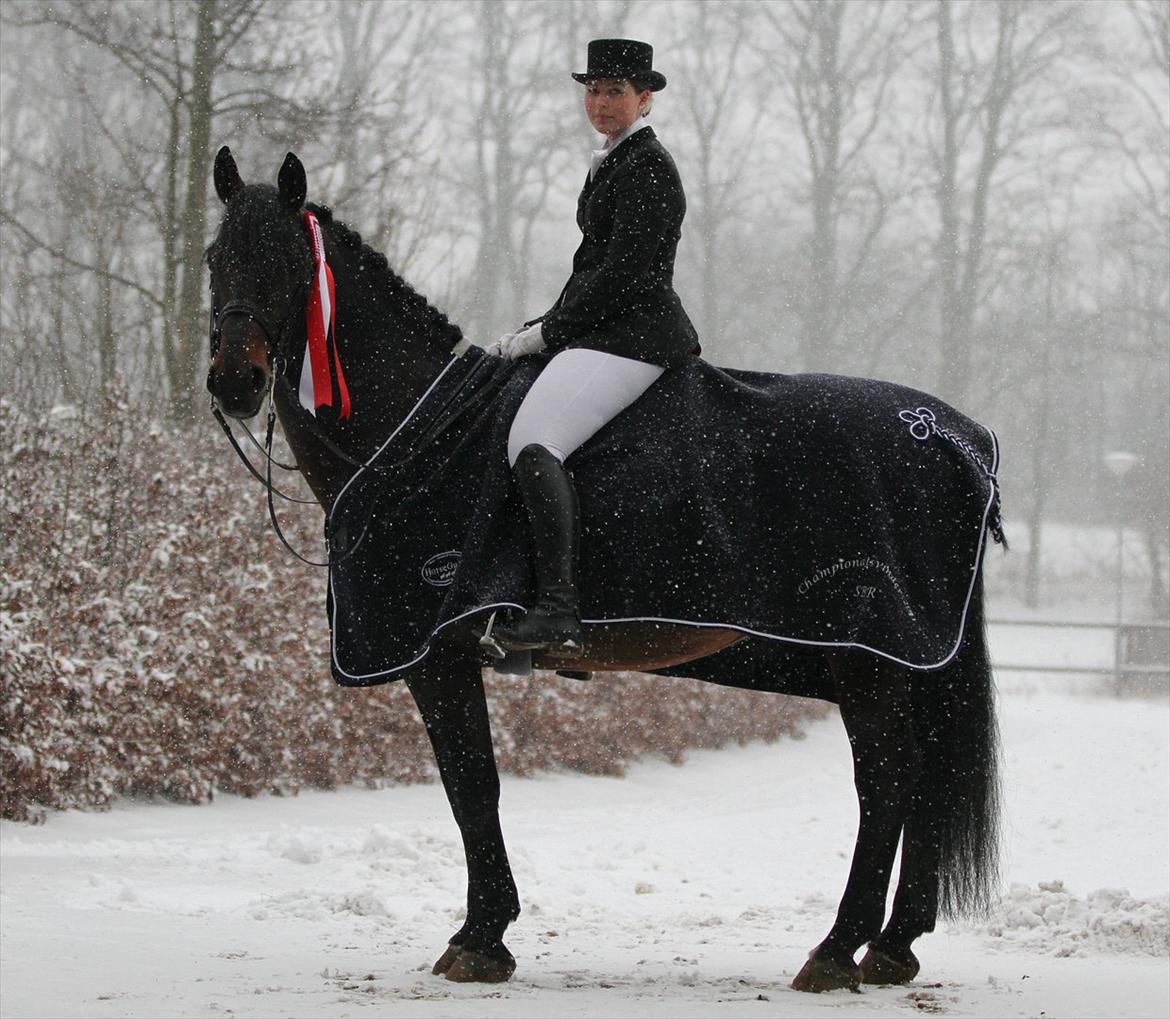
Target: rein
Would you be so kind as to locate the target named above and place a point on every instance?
(266, 478)
(448, 415)
(275, 336)
(218, 316)
(227, 430)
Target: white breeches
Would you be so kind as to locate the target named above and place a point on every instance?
(578, 392)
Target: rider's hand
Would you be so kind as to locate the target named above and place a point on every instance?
(498, 346)
(526, 341)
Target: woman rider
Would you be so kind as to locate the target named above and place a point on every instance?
(616, 327)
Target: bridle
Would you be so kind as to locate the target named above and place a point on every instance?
(277, 362)
(274, 339)
(448, 414)
(253, 314)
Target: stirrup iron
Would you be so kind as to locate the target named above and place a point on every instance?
(489, 643)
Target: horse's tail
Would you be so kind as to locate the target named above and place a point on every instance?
(958, 793)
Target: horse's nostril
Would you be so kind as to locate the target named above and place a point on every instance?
(257, 377)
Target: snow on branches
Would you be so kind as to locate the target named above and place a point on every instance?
(155, 641)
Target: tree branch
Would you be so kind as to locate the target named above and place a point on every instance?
(11, 220)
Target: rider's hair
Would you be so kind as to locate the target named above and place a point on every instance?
(641, 86)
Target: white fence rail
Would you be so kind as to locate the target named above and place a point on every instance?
(1133, 653)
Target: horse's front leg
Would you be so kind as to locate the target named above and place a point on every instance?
(449, 693)
(874, 698)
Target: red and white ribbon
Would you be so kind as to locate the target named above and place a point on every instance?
(316, 386)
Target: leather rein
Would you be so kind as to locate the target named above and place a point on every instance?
(447, 416)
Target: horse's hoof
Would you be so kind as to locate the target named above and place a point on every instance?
(474, 967)
(446, 960)
(820, 974)
(879, 967)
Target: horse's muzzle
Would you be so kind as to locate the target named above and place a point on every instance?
(239, 393)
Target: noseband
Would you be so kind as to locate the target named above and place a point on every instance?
(276, 364)
(273, 337)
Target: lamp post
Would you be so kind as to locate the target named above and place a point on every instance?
(1119, 463)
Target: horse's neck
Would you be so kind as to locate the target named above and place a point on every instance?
(390, 352)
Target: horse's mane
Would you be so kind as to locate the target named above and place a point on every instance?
(250, 230)
(375, 264)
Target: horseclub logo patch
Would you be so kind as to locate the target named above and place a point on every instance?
(439, 570)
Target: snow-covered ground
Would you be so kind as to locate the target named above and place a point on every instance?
(675, 891)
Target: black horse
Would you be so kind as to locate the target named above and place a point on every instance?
(924, 746)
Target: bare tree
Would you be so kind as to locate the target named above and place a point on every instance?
(1132, 131)
(835, 65)
(519, 123)
(61, 316)
(991, 84)
(192, 72)
(515, 143)
(708, 52)
(172, 51)
(1144, 75)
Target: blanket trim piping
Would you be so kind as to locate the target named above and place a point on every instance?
(401, 424)
(370, 678)
(340, 495)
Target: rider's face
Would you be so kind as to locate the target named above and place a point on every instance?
(612, 105)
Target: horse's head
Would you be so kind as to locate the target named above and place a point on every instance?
(261, 263)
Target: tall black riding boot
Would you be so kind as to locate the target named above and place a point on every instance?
(553, 623)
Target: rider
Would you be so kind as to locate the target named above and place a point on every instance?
(616, 327)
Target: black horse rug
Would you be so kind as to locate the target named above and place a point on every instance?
(808, 511)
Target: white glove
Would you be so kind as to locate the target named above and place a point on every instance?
(498, 346)
(526, 341)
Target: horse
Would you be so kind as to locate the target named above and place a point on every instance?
(924, 747)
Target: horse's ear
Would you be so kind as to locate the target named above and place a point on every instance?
(291, 181)
(227, 177)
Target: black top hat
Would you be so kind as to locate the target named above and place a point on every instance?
(622, 58)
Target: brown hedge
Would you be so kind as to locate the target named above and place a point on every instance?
(155, 641)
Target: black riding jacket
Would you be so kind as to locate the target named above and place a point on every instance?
(621, 297)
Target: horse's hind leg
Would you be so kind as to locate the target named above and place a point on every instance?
(450, 696)
(950, 843)
(874, 699)
(890, 959)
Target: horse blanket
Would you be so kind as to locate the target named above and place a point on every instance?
(806, 511)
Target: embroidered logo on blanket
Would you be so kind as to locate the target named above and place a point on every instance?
(439, 570)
